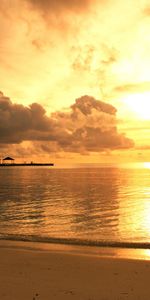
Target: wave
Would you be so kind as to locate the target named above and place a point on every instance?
(79, 242)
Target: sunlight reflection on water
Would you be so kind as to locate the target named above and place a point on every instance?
(93, 204)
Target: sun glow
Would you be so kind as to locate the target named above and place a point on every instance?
(146, 165)
(139, 104)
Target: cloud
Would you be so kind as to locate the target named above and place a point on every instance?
(133, 87)
(143, 147)
(146, 10)
(50, 6)
(63, 18)
(88, 126)
(86, 104)
(46, 44)
(18, 123)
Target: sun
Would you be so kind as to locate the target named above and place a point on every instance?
(139, 104)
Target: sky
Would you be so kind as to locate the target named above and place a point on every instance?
(75, 80)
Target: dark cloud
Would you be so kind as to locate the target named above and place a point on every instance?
(89, 125)
(64, 16)
(86, 104)
(51, 6)
(18, 123)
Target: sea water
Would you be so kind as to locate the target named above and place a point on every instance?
(92, 205)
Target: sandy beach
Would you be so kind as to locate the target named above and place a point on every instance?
(28, 272)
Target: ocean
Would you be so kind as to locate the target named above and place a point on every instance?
(95, 205)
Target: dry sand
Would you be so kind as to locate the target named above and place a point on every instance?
(27, 272)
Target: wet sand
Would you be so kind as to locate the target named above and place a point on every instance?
(31, 271)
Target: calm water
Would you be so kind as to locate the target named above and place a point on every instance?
(81, 205)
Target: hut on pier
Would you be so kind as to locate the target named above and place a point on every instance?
(8, 160)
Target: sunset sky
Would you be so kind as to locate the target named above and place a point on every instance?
(75, 80)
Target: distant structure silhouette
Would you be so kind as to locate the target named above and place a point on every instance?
(8, 160)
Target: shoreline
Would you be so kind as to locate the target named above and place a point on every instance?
(78, 249)
(78, 242)
(32, 271)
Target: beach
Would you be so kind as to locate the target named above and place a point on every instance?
(32, 271)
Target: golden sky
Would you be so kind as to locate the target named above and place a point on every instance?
(66, 55)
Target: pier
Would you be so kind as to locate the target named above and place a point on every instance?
(10, 162)
(26, 164)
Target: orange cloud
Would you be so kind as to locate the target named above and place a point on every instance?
(49, 6)
(55, 51)
(133, 87)
(88, 126)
